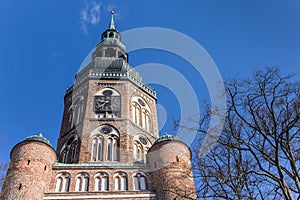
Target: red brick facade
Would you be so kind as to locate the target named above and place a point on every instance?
(29, 172)
(103, 154)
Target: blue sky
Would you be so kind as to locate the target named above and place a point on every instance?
(44, 42)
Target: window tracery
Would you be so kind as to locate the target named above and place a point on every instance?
(141, 114)
(105, 144)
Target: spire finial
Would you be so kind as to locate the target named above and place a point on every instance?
(112, 24)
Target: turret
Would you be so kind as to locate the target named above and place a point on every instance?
(30, 169)
(169, 160)
(110, 45)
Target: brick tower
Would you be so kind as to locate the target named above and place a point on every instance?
(170, 167)
(30, 169)
(109, 124)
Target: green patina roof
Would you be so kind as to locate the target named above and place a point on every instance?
(39, 138)
(167, 137)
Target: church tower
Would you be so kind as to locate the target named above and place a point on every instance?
(109, 125)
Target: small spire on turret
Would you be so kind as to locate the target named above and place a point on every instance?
(112, 24)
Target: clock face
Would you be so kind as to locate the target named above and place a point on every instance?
(107, 103)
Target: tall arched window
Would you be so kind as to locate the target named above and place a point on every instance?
(146, 120)
(112, 148)
(109, 149)
(141, 114)
(136, 113)
(69, 149)
(138, 151)
(75, 112)
(141, 146)
(78, 184)
(115, 149)
(101, 182)
(139, 180)
(105, 144)
(117, 183)
(121, 182)
(73, 150)
(82, 182)
(79, 111)
(62, 182)
(97, 148)
(65, 155)
(70, 119)
(124, 185)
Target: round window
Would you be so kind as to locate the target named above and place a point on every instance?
(143, 140)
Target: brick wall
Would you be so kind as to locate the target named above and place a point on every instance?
(29, 171)
(171, 170)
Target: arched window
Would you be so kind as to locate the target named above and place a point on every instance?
(78, 184)
(139, 180)
(138, 151)
(111, 34)
(62, 182)
(79, 110)
(105, 144)
(117, 183)
(101, 182)
(97, 148)
(115, 149)
(141, 146)
(109, 149)
(143, 183)
(121, 182)
(65, 155)
(75, 112)
(124, 183)
(69, 149)
(136, 113)
(97, 184)
(141, 114)
(82, 182)
(146, 120)
(70, 119)
(73, 150)
(112, 148)
(59, 182)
